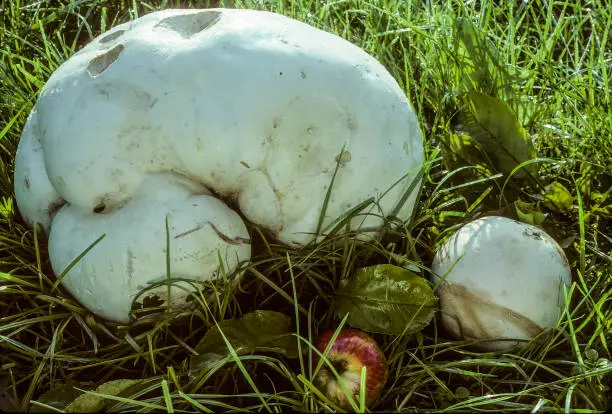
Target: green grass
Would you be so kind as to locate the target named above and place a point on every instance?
(549, 60)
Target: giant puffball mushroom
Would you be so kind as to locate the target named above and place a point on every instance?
(502, 280)
(251, 105)
(129, 259)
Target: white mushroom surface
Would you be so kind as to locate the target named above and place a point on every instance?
(129, 259)
(254, 106)
(503, 281)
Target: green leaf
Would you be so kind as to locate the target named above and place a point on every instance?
(261, 330)
(558, 198)
(461, 150)
(602, 205)
(495, 126)
(87, 403)
(584, 182)
(529, 213)
(386, 299)
(479, 60)
(481, 67)
(6, 207)
(59, 397)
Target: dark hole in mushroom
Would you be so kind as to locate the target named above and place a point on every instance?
(26, 182)
(188, 25)
(100, 63)
(111, 36)
(99, 208)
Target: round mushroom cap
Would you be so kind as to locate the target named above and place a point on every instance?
(278, 116)
(205, 236)
(500, 279)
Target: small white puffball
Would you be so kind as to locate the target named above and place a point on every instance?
(500, 280)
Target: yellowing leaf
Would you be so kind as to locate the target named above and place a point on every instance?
(386, 299)
(558, 198)
(529, 213)
(88, 403)
(495, 126)
(587, 173)
(602, 205)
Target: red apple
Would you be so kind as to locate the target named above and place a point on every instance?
(351, 351)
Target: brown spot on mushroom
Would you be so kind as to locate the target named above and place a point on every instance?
(100, 63)
(112, 36)
(188, 25)
(343, 158)
(279, 195)
(245, 164)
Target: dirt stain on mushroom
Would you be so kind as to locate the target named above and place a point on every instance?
(101, 63)
(26, 182)
(406, 147)
(112, 36)
(130, 265)
(458, 300)
(55, 206)
(188, 25)
(533, 234)
(245, 164)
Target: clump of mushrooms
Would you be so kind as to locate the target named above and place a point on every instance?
(158, 117)
(500, 281)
